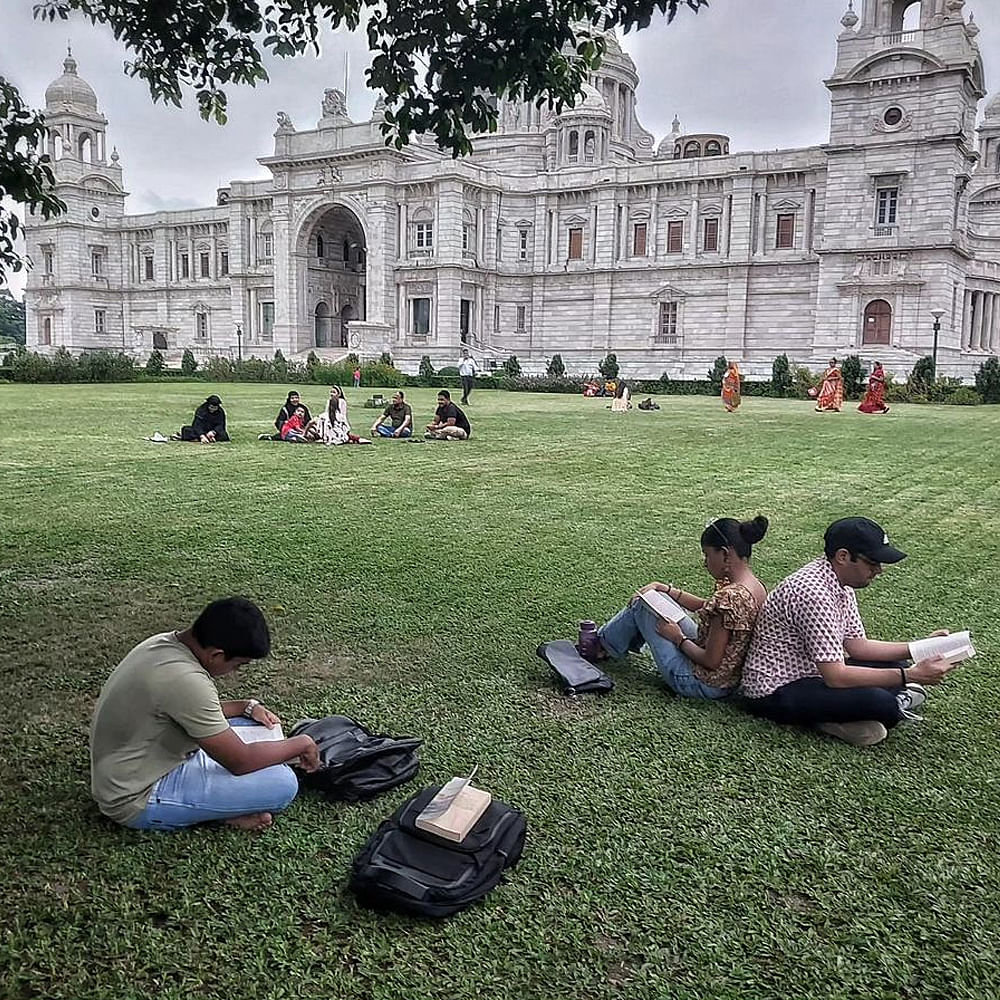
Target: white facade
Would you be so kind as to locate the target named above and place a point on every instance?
(571, 233)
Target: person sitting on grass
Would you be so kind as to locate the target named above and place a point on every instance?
(287, 411)
(450, 423)
(400, 417)
(163, 751)
(208, 425)
(332, 426)
(703, 659)
(799, 671)
(294, 428)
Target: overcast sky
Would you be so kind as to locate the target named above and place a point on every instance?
(753, 71)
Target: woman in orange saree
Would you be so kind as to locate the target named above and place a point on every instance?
(874, 401)
(731, 398)
(831, 392)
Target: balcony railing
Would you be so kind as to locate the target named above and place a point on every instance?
(883, 231)
(904, 38)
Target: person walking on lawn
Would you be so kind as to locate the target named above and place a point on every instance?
(467, 369)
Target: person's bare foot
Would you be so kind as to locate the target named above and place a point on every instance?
(254, 822)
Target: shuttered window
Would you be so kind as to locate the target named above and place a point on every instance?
(675, 236)
(576, 244)
(786, 232)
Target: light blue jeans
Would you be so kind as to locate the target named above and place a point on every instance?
(201, 790)
(634, 626)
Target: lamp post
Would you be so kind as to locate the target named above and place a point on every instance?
(239, 342)
(937, 314)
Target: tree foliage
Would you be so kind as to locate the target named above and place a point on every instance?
(437, 65)
(155, 364)
(12, 321)
(853, 376)
(189, 363)
(718, 372)
(512, 366)
(923, 375)
(781, 376)
(609, 366)
(556, 368)
(988, 380)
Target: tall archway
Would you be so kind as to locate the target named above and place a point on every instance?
(346, 315)
(326, 283)
(878, 323)
(323, 325)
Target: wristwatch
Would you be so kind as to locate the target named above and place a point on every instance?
(251, 705)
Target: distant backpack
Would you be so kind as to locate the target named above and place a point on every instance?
(356, 763)
(648, 404)
(411, 871)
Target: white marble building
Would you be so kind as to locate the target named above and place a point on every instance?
(574, 233)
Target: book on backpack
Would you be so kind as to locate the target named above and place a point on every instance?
(355, 763)
(406, 869)
(455, 810)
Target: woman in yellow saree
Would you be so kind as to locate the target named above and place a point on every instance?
(731, 398)
(831, 392)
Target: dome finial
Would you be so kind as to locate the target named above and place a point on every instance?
(850, 19)
(69, 63)
(675, 126)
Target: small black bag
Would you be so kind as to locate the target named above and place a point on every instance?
(408, 870)
(357, 763)
(577, 675)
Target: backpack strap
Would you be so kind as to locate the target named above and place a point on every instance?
(407, 886)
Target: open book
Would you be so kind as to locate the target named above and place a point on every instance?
(257, 734)
(666, 607)
(454, 811)
(954, 648)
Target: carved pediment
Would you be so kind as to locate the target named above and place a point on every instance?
(674, 212)
(786, 205)
(575, 220)
(668, 293)
(711, 209)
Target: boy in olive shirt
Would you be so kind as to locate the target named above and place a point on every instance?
(400, 418)
(163, 753)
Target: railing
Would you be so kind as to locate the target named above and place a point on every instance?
(883, 231)
(903, 37)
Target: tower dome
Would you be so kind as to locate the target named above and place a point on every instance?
(993, 107)
(589, 103)
(70, 89)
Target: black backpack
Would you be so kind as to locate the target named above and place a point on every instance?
(411, 871)
(357, 763)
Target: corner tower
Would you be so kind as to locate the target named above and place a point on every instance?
(73, 295)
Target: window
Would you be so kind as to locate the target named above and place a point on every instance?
(522, 244)
(710, 237)
(713, 148)
(203, 268)
(46, 335)
(99, 320)
(639, 239)
(520, 319)
(893, 116)
(320, 249)
(267, 321)
(48, 259)
(96, 264)
(675, 236)
(265, 246)
(147, 267)
(496, 318)
(886, 206)
(421, 316)
(576, 244)
(666, 330)
(574, 145)
(692, 150)
(424, 235)
(465, 237)
(201, 326)
(224, 263)
(785, 239)
(185, 266)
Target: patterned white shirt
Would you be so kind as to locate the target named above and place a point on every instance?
(804, 622)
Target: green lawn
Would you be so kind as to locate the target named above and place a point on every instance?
(675, 849)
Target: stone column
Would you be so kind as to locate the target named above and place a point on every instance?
(977, 339)
(966, 319)
(995, 329)
(693, 228)
(654, 224)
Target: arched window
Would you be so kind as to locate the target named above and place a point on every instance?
(86, 148)
(878, 323)
(589, 147)
(46, 331)
(574, 145)
(320, 249)
(712, 148)
(324, 325)
(677, 150)
(691, 150)
(906, 15)
(159, 341)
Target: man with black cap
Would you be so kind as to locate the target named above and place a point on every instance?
(803, 665)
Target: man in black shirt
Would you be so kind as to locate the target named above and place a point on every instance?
(400, 418)
(449, 423)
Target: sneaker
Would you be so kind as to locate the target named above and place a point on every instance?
(263, 437)
(858, 734)
(909, 699)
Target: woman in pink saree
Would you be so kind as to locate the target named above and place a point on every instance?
(831, 392)
(874, 401)
(731, 397)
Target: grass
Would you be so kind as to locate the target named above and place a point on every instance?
(675, 850)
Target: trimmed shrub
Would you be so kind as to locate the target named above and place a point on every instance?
(386, 359)
(512, 366)
(426, 370)
(63, 366)
(353, 360)
(280, 366)
(189, 364)
(556, 368)
(717, 372)
(609, 366)
(853, 376)
(922, 376)
(988, 380)
(379, 373)
(103, 366)
(219, 370)
(448, 370)
(154, 364)
(964, 396)
(781, 377)
(802, 382)
(311, 362)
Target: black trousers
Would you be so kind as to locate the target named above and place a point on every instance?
(467, 383)
(188, 433)
(810, 702)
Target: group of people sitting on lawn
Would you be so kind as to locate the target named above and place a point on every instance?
(296, 425)
(798, 655)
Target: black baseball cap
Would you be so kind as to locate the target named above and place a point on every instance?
(861, 537)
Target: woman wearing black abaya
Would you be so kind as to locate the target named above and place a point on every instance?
(208, 425)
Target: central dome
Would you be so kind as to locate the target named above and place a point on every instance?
(70, 89)
(589, 102)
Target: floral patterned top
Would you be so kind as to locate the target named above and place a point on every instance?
(737, 608)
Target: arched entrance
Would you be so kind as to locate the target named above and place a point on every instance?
(323, 325)
(159, 340)
(877, 323)
(335, 278)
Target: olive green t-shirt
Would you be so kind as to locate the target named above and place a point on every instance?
(157, 703)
